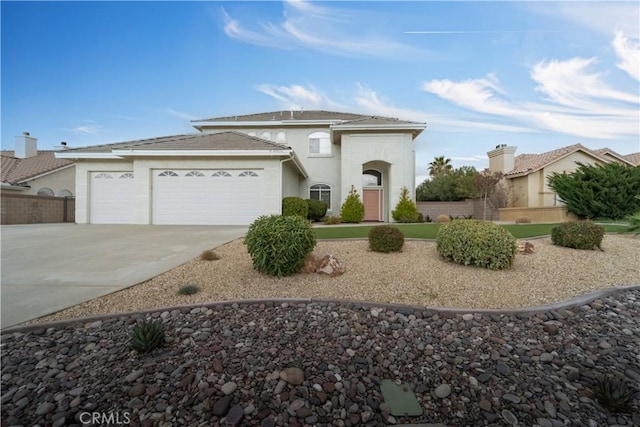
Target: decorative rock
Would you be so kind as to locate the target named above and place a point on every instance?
(524, 247)
(485, 405)
(229, 387)
(330, 266)
(293, 376)
(45, 408)
(511, 398)
(234, 416)
(443, 390)
(221, 407)
(550, 408)
(503, 368)
(467, 317)
(546, 357)
(508, 416)
(552, 327)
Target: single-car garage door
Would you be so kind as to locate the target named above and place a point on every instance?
(112, 197)
(205, 196)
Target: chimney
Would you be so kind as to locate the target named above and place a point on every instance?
(501, 159)
(25, 146)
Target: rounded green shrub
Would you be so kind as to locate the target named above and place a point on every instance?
(317, 209)
(385, 238)
(352, 209)
(443, 218)
(406, 210)
(478, 243)
(295, 206)
(279, 245)
(577, 235)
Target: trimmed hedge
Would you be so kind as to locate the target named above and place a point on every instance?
(477, 243)
(578, 235)
(279, 245)
(385, 238)
(317, 209)
(295, 206)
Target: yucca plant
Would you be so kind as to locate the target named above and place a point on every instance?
(147, 336)
(614, 393)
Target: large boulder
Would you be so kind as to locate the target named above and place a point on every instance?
(330, 266)
(525, 247)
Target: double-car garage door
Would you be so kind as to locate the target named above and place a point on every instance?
(193, 197)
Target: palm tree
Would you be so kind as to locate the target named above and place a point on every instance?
(439, 166)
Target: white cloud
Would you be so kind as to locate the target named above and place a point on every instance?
(327, 29)
(180, 115)
(297, 97)
(628, 53)
(475, 159)
(91, 128)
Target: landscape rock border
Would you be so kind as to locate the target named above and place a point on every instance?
(523, 311)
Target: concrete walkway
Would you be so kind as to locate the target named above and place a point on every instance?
(48, 267)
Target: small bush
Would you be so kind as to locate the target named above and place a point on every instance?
(427, 219)
(209, 255)
(295, 206)
(523, 220)
(189, 290)
(406, 210)
(385, 238)
(147, 336)
(317, 209)
(614, 394)
(279, 245)
(420, 217)
(352, 209)
(578, 235)
(332, 220)
(443, 218)
(478, 243)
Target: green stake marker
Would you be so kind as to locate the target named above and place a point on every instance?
(400, 399)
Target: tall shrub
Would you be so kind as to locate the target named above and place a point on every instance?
(352, 209)
(295, 206)
(279, 245)
(599, 191)
(317, 209)
(406, 209)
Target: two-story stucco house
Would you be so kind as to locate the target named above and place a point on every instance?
(240, 167)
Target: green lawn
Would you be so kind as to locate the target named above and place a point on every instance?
(430, 230)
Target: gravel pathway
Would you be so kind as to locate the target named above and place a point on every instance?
(417, 276)
(321, 364)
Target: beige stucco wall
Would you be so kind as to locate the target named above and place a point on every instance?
(63, 179)
(537, 214)
(290, 180)
(142, 169)
(533, 190)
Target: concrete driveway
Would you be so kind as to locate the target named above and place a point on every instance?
(48, 267)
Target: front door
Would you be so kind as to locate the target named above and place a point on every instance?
(372, 200)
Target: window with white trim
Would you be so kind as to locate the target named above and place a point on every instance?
(194, 173)
(248, 173)
(321, 192)
(65, 193)
(168, 173)
(45, 191)
(265, 135)
(319, 143)
(126, 175)
(221, 173)
(281, 136)
(104, 176)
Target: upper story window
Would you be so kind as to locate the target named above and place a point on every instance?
(281, 136)
(251, 133)
(265, 135)
(319, 143)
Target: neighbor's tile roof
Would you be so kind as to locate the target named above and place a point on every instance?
(528, 163)
(633, 158)
(345, 118)
(15, 170)
(214, 141)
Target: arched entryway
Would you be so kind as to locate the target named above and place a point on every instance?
(374, 177)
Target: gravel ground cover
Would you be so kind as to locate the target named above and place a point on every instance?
(414, 276)
(321, 364)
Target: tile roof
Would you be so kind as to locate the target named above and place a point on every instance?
(633, 158)
(528, 163)
(15, 170)
(214, 141)
(287, 115)
(376, 120)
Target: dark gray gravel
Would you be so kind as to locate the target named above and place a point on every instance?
(320, 364)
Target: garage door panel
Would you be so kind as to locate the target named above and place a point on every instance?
(207, 196)
(112, 197)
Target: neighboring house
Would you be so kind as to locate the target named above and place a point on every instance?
(240, 167)
(28, 171)
(526, 174)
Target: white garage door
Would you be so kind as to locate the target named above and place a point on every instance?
(233, 197)
(112, 197)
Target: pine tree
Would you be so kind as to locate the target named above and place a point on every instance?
(352, 209)
(406, 210)
(599, 191)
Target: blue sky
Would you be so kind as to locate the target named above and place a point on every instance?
(538, 74)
